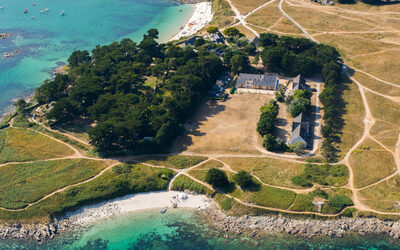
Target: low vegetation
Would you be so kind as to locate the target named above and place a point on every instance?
(175, 161)
(19, 145)
(120, 180)
(332, 175)
(21, 184)
(182, 183)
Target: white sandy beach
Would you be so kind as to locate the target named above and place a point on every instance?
(136, 202)
(201, 17)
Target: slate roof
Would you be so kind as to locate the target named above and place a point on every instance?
(190, 41)
(270, 81)
(217, 38)
(300, 127)
(299, 82)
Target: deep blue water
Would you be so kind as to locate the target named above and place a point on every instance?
(180, 229)
(49, 38)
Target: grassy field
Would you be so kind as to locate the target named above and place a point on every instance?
(270, 197)
(375, 85)
(175, 161)
(384, 109)
(269, 170)
(353, 119)
(22, 184)
(385, 133)
(302, 202)
(245, 6)
(372, 165)
(121, 180)
(324, 21)
(266, 16)
(18, 145)
(383, 65)
(183, 182)
(223, 15)
(211, 164)
(380, 196)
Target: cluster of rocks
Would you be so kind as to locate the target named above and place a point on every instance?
(5, 35)
(257, 226)
(38, 232)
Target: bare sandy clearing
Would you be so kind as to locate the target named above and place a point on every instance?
(223, 127)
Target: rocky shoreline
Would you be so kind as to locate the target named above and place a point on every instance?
(259, 226)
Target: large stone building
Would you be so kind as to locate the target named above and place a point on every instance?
(264, 84)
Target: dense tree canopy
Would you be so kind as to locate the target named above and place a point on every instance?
(109, 88)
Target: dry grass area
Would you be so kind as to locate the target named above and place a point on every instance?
(384, 109)
(265, 16)
(245, 6)
(385, 133)
(384, 65)
(353, 119)
(223, 127)
(284, 25)
(380, 196)
(18, 145)
(245, 31)
(351, 46)
(324, 21)
(211, 164)
(371, 165)
(223, 15)
(270, 171)
(376, 85)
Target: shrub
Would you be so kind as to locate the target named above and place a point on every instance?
(217, 178)
(337, 203)
(232, 31)
(298, 147)
(269, 142)
(212, 29)
(301, 181)
(243, 179)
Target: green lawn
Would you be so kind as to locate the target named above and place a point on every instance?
(19, 145)
(22, 184)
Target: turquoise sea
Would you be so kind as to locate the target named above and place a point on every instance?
(47, 39)
(180, 229)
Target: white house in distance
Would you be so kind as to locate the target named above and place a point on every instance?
(260, 84)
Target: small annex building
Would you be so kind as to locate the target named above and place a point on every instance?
(299, 83)
(262, 84)
(300, 130)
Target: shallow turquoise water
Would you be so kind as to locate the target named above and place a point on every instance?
(49, 38)
(180, 229)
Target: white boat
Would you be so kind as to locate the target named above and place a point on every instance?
(164, 210)
(1, 7)
(62, 13)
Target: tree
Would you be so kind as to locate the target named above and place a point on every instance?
(301, 181)
(232, 31)
(269, 142)
(20, 105)
(239, 63)
(243, 179)
(199, 42)
(79, 57)
(298, 105)
(217, 178)
(268, 39)
(212, 29)
(299, 147)
(338, 202)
